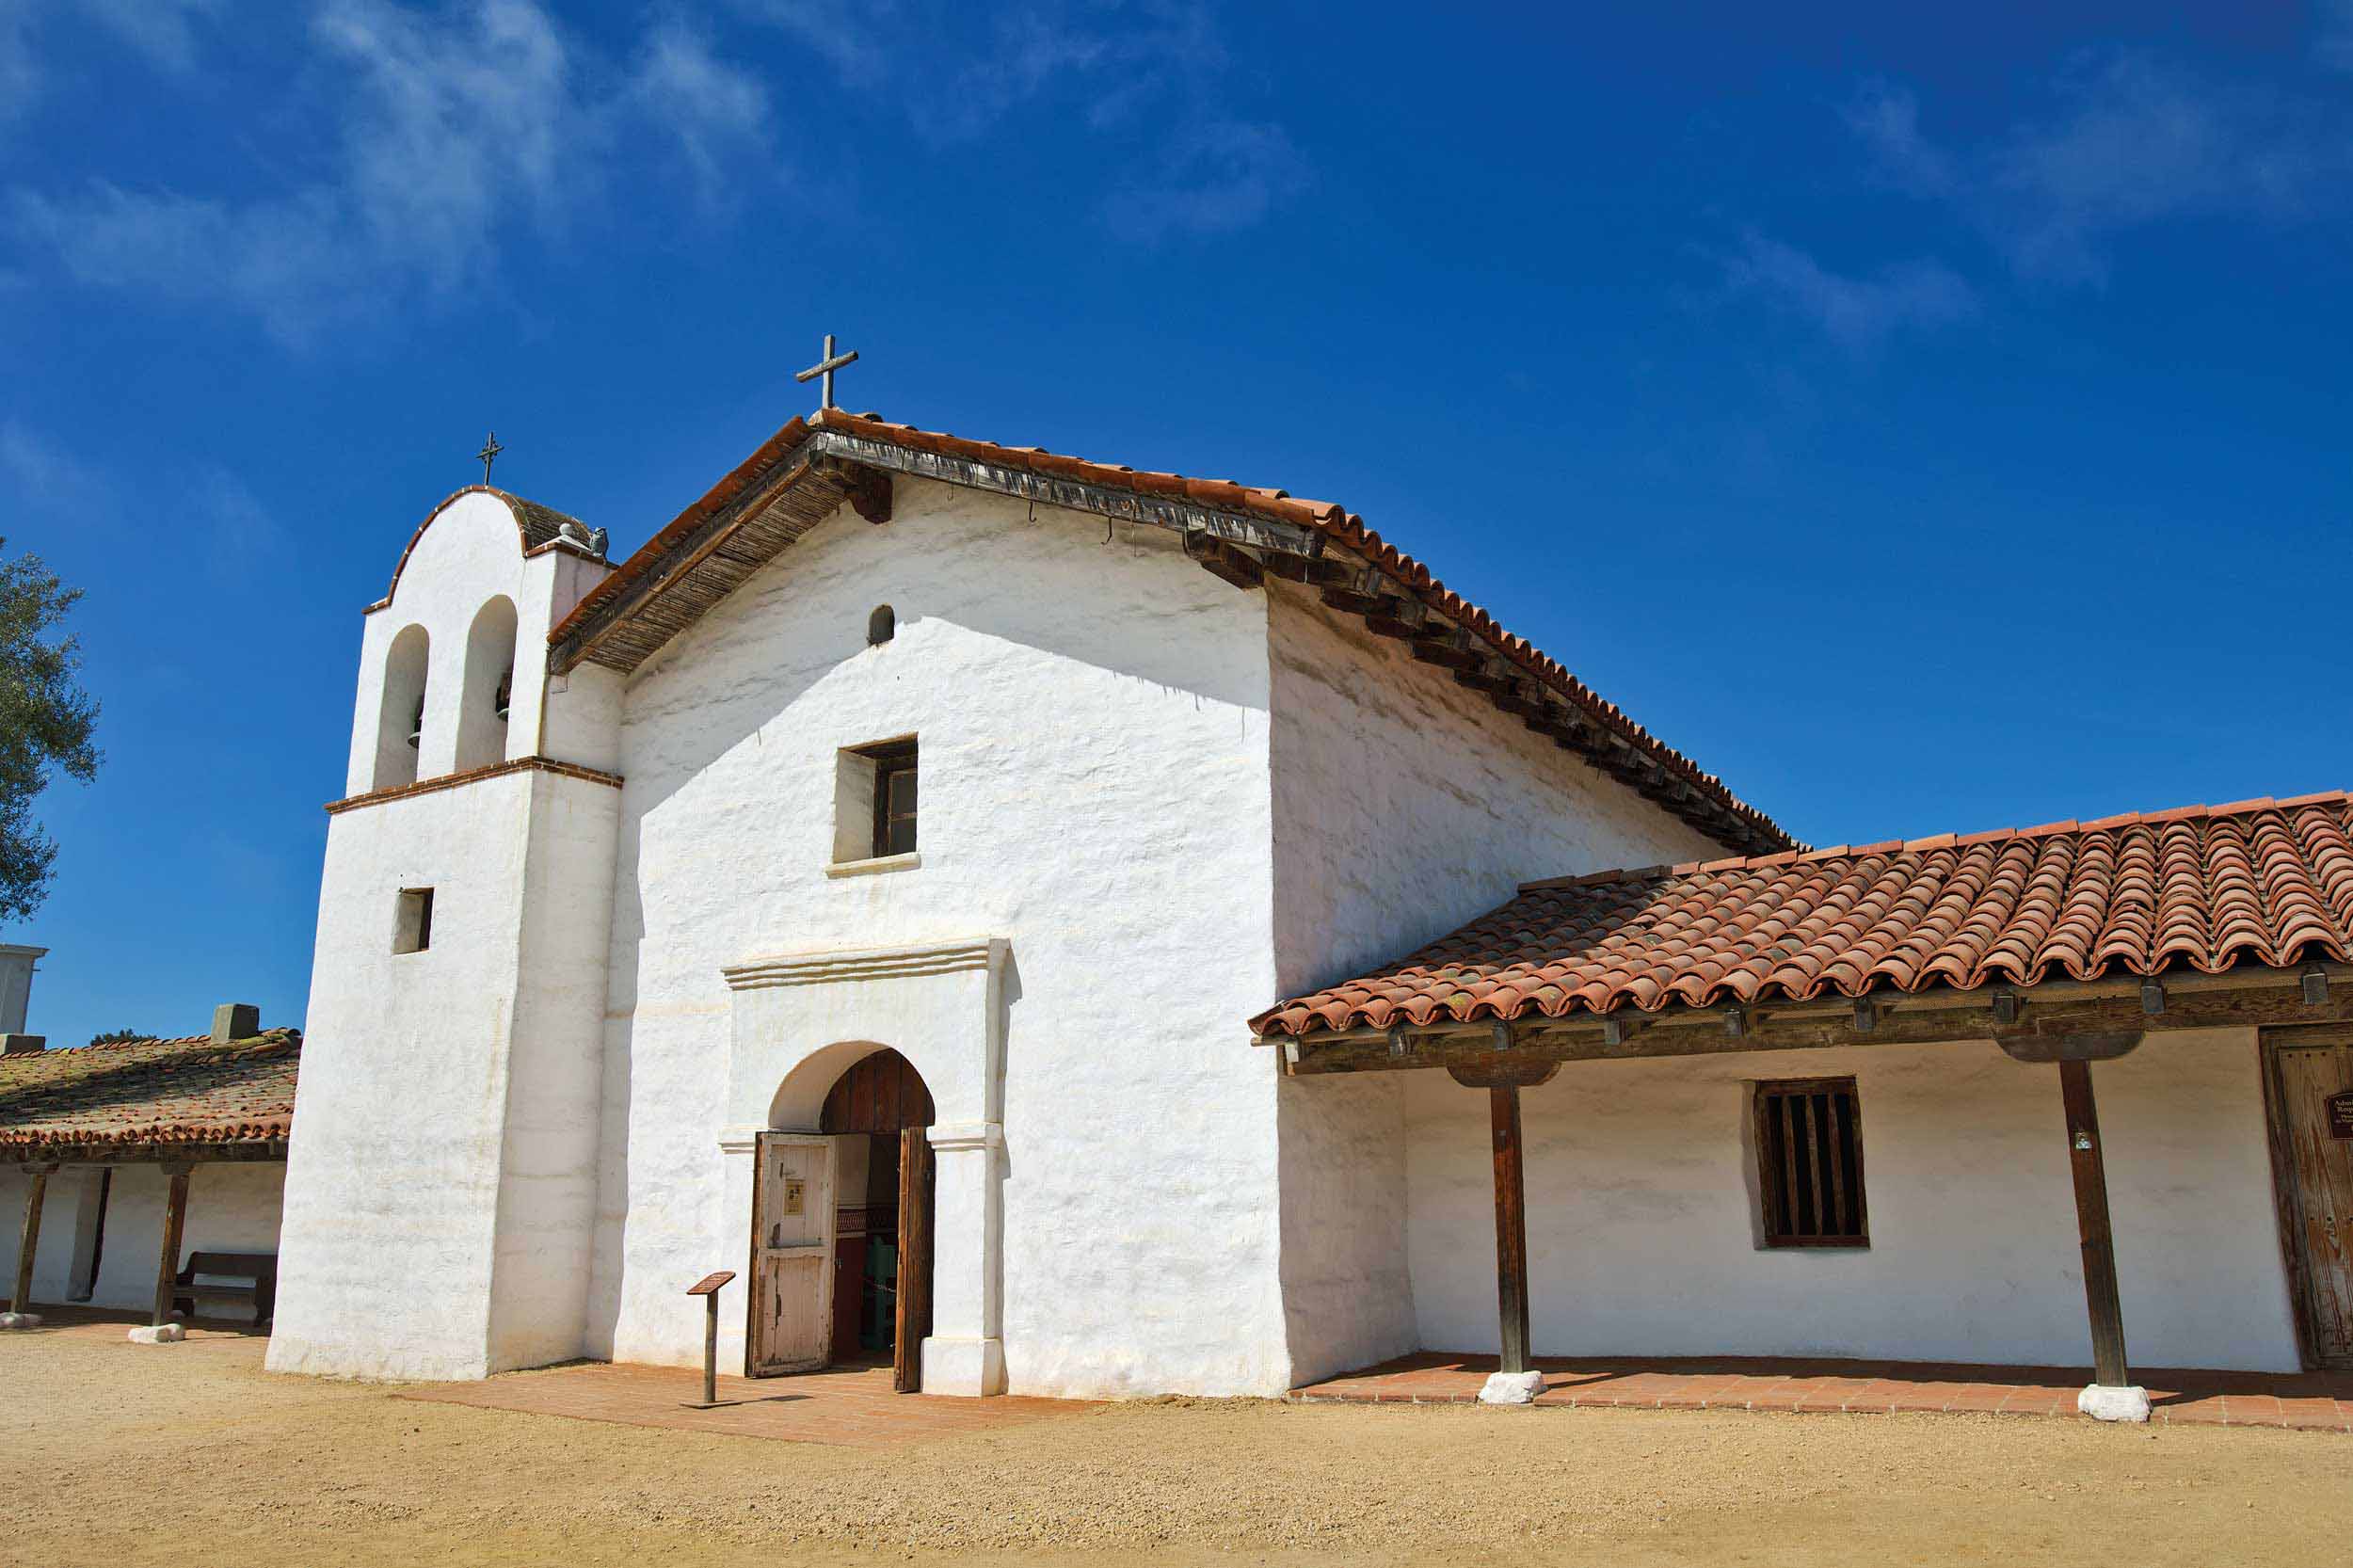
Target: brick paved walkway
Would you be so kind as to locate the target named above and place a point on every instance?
(851, 1407)
(2316, 1400)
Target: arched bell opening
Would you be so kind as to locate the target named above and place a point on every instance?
(489, 680)
(400, 713)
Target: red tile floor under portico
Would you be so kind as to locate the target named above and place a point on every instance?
(2315, 1400)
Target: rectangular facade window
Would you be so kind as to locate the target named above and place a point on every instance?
(412, 920)
(874, 807)
(1809, 1157)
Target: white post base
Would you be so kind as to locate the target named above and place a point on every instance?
(971, 1367)
(161, 1334)
(19, 1320)
(2104, 1403)
(1511, 1388)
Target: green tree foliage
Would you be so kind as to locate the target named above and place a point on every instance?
(46, 724)
(114, 1035)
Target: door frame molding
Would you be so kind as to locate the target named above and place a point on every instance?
(2286, 1191)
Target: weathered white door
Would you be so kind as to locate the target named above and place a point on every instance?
(792, 1224)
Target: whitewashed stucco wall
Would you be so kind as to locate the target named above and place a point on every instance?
(1641, 1211)
(1405, 804)
(231, 1208)
(444, 1147)
(1092, 713)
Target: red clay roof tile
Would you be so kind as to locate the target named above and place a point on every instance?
(1329, 519)
(183, 1091)
(2210, 888)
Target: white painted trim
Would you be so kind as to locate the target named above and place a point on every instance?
(740, 1140)
(833, 966)
(959, 1137)
(879, 863)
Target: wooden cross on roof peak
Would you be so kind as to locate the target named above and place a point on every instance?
(827, 364)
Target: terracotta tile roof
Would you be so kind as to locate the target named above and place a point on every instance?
(185, 1091)
(1746, 826)
(2260, 882)
(535, 526)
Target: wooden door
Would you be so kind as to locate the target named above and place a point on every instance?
(792, 1237)
(914, 1261)
(2312, 1131)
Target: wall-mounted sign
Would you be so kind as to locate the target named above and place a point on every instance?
(793, 1188)
(2339, 1115)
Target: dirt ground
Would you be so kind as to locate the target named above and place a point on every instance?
(134, 1455)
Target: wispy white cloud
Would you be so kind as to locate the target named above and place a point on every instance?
(1858, 312)
(163, 30)
(1212, 178)
(20, 71)
(715, 111)
(2133, 141)
(1151, 72)
(1886, 119)
(449, 131)
(243, 528)
(44, 476)
(2333, 45)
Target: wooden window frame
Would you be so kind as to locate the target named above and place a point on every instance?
(892, 760)
(1777, 1178)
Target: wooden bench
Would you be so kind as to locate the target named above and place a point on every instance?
(242, 1276)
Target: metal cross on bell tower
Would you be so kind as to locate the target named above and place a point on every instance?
(490, 449)
(825, 366)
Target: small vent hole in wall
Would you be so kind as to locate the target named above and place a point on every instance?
(881, 625)
(412, 920)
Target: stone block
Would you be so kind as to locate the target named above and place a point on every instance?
(1511, 1388)
(2104, 1403)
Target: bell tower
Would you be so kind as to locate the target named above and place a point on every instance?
(441, 1183)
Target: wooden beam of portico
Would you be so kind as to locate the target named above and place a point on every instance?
(2069, 1025)
(2246, 998)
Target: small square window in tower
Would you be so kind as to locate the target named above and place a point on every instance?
(874, 802)
(412, 920)
(1809, 1158)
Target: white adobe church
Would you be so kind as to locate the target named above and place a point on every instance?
(882, 886)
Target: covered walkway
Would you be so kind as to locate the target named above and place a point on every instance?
(2318, 1401)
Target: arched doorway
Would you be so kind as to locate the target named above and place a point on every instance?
(858, 1196)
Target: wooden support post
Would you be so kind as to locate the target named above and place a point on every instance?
(21, 1299)
(1511, 1227)
(2092, 1225)
(167, 1266)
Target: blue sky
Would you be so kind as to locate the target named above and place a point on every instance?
(1927, 420)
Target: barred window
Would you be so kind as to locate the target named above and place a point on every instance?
(1809, 1153)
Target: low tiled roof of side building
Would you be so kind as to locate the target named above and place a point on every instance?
(185, 1091)
(2260, 882)
(1730, 820)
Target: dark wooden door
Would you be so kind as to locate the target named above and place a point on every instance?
(915, 1260)
(2312, 1131)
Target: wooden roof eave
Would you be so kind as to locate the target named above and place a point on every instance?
(803, 487)
(138, 1151)
(2248, 996)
